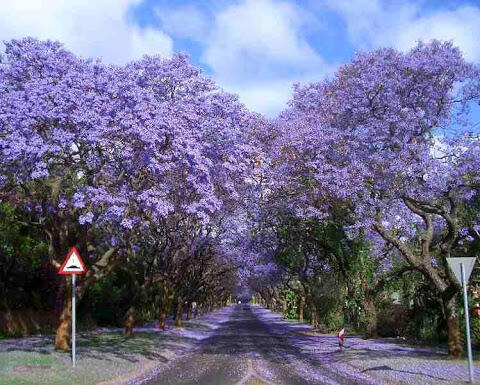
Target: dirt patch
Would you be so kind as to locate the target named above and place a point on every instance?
(256, 381)
(29, 368)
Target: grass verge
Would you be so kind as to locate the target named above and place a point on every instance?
(100, 357)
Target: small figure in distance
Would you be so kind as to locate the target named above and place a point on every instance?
(341, 336)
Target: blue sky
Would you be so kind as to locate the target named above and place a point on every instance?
(256, 48)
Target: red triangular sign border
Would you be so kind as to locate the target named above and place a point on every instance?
(61, 269)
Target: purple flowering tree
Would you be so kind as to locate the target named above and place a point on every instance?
(375, 145)
(59, 145)
(102, 153)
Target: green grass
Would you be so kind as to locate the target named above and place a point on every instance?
(99, 357)
(110, 341)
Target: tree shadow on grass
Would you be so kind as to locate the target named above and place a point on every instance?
(110, 346)
(147, 345)
(386, 367)
(37, 344)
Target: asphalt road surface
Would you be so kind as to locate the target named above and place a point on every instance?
(245, 350)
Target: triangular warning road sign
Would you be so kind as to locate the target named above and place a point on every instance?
(73, 264)
(468, 263)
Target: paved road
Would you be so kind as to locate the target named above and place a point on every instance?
(247, 351)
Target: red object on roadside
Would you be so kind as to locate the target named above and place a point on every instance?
(341, 336)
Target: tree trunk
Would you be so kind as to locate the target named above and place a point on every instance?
(284, 307)
(129, 322)
(314, 316)
(454, 338)
(189, 311)
(64, 329)
(371, 315)
(9, 326)
(179, 313)
(301, 308)
(162, 315)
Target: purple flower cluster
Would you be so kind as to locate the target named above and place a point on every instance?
(144, 140)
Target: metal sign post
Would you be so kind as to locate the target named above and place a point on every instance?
(74, 320)
(467, 323)
(73, 265)
(462, 268)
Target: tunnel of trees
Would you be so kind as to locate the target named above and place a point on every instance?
(340, 211)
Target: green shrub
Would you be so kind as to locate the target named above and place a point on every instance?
(392, 320)
(292, 305)
(475, 327)
(335, 320)
(15, 333)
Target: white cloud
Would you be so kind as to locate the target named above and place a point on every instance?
(256, 48)
(249, 37)
(267, 98)
(89, 28)
(270, 97)
(462, 26)
(373, 23)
